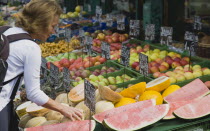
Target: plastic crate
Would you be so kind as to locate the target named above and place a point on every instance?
(109, 63)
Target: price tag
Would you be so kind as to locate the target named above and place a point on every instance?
(98, 13)
(143, 64)
(121, 22)
(88, 44)
(134, 28)
(64, 10)
(66, 77)
(166, 35)
(150, 32)
(89, 7)
(81, 32)
(109, 21)
(44, 62)
(54, 73)
(191, 40)
(197, 25)
(105, 48)
(125, 55)
(90, 95)
(68, 33)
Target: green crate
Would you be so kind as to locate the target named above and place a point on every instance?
(109, 63)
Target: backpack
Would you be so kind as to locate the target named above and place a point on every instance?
(4, 53)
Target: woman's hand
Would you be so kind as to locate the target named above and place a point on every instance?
(72, 113)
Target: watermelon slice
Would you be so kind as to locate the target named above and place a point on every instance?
(187, 94)
(68, 126)
(139, 105)
(193, 90)
(196, 109)
(134, 119)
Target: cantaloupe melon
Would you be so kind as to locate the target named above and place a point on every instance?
(24, 119)
(65, 119)
(21, 109)
(50, 122)
(36, 121)
(63, 98)
(159, 84)
(97, 96)
(107, 94)
(77, 93)
(85, 110)
(104, 105)
(35, 110)
(54, 115)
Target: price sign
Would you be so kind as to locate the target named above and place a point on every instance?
(197, 25)
(150, 32)
(90, 95)
(98, 13)
(61, 33)
(109, 21)
(166, 35)
(89, 7)
(68, 33)
(105, 48)
(88, 44)
(44, 62)
(66, 77)
(125, 55)
(143, 64)
(81, 32)
(134, 28)
(121, 22)
(54, 73)
(191, 40)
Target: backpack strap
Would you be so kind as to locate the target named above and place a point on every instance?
(4, 28)
(16, 37)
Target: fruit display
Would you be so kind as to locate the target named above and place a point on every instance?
(67, 55)
(51, 49)
(78, 12)
(182, 73)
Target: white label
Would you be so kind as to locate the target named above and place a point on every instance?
(150, 32)
(134, 27)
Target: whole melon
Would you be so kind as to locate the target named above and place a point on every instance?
(104, 105)
(36, 121)
(50, 122)
(85, 109)
(54, 115)
(24, 119)
(35, 110)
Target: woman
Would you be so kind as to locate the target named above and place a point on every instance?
(39, 19)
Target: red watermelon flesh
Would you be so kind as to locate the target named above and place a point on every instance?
(67, 126)
(196, 109)
(175, 105)
(193, 90)
(134, 119)
(139, 105)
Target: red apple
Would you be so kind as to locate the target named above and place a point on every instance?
(169, 61)
(186, 58)
(159, 60)
(154, 69)
(162, 68)
(122, 38)
(162, 74)
(183, 62)
(177, 59)
(135, 64)
(97, 63)
(165, 64)
(88, 64)
(137, 68)
(175, 64)
(48, 65)
(102, 60)
(156, 74)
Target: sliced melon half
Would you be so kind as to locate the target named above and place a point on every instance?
(77, 93)
(158, 84)
(35, 110)
(21, 109)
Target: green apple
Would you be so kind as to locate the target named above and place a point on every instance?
(112, 80)
(93, 78)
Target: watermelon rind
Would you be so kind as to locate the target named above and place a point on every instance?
(142, 126)
(153, 103)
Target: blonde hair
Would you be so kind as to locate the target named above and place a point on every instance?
(37, 16)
